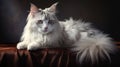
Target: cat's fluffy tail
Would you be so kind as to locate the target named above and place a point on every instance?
(94, 48)
(93, 45)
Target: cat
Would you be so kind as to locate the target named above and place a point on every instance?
(44, 30)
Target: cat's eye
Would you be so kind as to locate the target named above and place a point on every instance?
(51, 21)
(39, 22)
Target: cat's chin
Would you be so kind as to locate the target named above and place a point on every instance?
(46, 32)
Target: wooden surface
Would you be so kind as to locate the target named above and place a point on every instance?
(11, 57)
(13, 45)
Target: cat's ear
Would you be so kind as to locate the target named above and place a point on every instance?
(53, 8)
(33, 9)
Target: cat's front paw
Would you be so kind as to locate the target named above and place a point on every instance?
(21, 45)
(32, 47)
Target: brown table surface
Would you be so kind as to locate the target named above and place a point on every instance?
(47, 57)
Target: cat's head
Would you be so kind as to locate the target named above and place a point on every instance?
(43, 20)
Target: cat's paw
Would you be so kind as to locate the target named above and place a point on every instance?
(32, 47)
(21, 45)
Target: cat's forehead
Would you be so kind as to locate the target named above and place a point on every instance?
(44, 15)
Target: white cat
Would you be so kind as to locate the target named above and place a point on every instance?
(44, 30)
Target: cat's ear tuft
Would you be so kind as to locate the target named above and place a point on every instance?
(53, 8)
(33, 9)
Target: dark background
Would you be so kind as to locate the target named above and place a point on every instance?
(103, 14)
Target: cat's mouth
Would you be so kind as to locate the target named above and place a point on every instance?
(45, 30)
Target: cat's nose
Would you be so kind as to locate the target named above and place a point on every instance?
(46, 28)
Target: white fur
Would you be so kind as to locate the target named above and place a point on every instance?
(88, 42)
(34, 37)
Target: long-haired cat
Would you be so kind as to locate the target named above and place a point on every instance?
(44, 30)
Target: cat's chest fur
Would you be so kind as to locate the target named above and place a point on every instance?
(53, 39)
